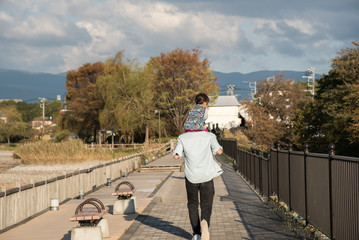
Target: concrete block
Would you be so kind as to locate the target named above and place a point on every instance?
(103, 224)
(124, 206)
(88, 233)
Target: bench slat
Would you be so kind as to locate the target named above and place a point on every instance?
(88, 214)
(124, 192)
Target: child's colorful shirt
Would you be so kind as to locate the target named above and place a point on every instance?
(195, 119)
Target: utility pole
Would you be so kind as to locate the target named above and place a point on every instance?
(230, 89)
(271, 79)
(42, 105)
(253, 87)
(310, 76)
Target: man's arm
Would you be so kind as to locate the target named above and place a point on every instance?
(216, 148)
(177, 153)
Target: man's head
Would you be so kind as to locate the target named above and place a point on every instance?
(201, 98)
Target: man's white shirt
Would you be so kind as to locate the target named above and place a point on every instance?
(198, 149)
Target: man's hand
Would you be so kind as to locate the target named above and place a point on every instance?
(176, 156)
(220, 151)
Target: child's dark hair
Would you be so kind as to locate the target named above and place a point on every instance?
(201, 98)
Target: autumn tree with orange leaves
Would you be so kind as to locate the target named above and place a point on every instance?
(83, 101)
(179, 76)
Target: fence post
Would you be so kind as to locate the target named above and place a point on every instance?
(251, 165)
(254, 167)
(331, 156)
(260, 173)
(306, 151)
(269, 179)
(277, 148)
(290, 149)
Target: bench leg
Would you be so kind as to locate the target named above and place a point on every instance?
(124, 206)
(88, 233)
(103, 223)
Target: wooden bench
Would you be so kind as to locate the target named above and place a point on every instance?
(88, 215)
(124, 192)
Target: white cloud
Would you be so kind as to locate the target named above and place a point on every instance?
(5, 17)
(37, 26)
(301, 25)
(235, 35)
(157, 17)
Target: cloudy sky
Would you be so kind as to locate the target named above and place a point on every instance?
(236, 35)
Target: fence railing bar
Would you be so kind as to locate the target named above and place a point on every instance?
(289, 186)
(306, 150)
(346, 159)
(331, 155)
(277, 160)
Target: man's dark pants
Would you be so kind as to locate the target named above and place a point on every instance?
(206, 192)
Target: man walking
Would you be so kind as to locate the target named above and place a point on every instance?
(200, 169)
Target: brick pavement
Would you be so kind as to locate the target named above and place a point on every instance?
(259, 221)
(238, 213)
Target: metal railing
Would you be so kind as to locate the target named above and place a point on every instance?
(322, 188)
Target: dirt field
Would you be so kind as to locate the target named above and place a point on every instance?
(6, 161)
(14, 174)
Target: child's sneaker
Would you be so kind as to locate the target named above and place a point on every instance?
(196, 237)
(205, 232)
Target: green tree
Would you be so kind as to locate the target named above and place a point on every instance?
(53, 108)
(179, 76)
(83, 102)
(11, 124)
(353, 101)
(127, 91)
(333, 117)
(29, 111)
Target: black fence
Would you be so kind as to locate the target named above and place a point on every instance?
(322, 188)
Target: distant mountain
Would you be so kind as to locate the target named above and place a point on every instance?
(29, 86)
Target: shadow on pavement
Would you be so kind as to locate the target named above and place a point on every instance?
(67, 236)
(256, 217)
(177, 177)
(163, 225)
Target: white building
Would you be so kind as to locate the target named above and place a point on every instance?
(225, 112)
(39, 123)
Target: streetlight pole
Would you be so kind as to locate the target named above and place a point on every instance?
(42, 105)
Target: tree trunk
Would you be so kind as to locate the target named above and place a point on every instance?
(147, 136)
(8, 141)
(95, 135)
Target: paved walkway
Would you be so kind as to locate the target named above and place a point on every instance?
(238, 212)
(55, 225)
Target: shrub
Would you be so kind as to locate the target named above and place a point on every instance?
(70, 151)
(65, 134)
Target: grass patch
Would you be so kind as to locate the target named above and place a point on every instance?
(6, 147)
(71, 151)
(225, 158)
(294, 222)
